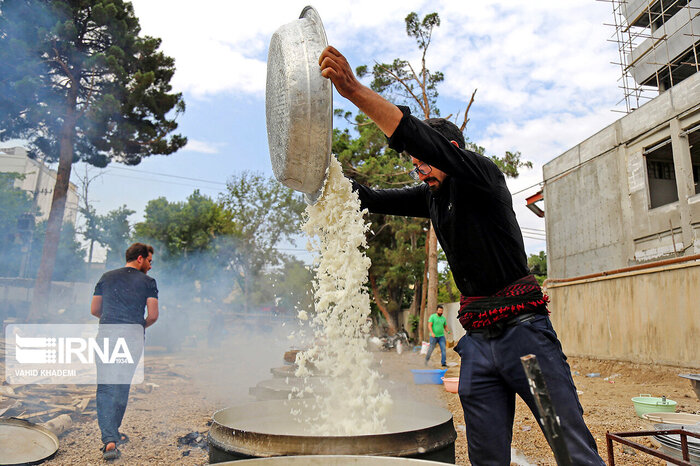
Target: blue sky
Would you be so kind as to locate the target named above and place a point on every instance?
(543, 72)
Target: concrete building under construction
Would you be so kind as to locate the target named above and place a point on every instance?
(622, 208)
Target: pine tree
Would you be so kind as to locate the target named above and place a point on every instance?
(78, 83)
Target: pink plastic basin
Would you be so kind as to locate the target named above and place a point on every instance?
(451, 384)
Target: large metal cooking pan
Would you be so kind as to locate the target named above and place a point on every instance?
(332, 460)
(299, 105)
(23, 442)
(267, 428)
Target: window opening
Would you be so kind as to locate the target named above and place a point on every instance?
(661, 174)
(694, 142)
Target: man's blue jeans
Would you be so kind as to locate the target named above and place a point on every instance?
(112, 398)
(433, 342)
(491, 375)
(111, 403)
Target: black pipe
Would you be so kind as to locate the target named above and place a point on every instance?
(548, 416)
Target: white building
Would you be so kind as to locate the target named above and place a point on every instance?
(39, 180)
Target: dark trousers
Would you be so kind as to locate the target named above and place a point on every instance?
(491, 375)
(111, 403)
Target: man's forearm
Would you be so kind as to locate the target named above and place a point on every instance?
(386, 115)
(409, 202)
(335, 67)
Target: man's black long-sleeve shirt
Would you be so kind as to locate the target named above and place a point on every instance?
(472, 212)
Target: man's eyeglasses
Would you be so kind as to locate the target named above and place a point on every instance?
(423, 169)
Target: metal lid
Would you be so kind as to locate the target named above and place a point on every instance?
(299, 105)
(22, 442)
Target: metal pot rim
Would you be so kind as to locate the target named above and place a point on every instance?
(299, 105)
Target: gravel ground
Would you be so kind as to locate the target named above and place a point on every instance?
(182, 400)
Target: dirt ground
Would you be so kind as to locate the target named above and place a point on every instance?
(607, 406)
(180, 401)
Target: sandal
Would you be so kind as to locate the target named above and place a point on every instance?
(112, 454)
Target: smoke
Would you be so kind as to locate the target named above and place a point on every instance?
(230, 330)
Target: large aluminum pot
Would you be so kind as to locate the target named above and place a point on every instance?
(332, 460)
(299, 105)
(267, 428)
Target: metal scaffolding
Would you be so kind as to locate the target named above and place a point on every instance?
(657, 45)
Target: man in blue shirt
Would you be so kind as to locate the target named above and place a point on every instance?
(120, 298)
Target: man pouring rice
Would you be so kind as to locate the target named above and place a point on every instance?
(502, 307)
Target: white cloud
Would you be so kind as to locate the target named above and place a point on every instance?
(221, 46)
(203, 147)
(524, 56)
(542, 69)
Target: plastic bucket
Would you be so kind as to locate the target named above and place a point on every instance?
(644, 404)
(428, 376)
(451, 384)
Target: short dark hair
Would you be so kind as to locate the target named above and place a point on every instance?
(440, 306)
(138, 249)
(447, 129)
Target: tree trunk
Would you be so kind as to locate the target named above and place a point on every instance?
(92, 244)
(381, 306)
(431, 305)
(42, 285)
(424, 292)
(415, 310)
(245, 293)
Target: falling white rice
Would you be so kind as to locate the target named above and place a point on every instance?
(355, 404)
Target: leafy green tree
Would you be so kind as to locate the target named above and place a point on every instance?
(184, 227)
(114, 233)
(287, 288)
(447, 291)
(510, 164)
(70, 256)
(17, 214)
(80, 83)
(91, 228)
(14, 203)
(265, 214)
(538, 266)
(192, 241)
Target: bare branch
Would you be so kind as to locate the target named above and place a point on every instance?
(401, 81)
(466, 112)
(87, 99)
(358, 125)
(67, 70)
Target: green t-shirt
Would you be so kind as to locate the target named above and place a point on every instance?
(438, 324)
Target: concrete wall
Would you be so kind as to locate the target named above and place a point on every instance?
(451, 310)
(646, 316)
(667, 43)
(597, 209)
(69, 300)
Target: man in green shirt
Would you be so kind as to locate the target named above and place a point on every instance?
(437, 324)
